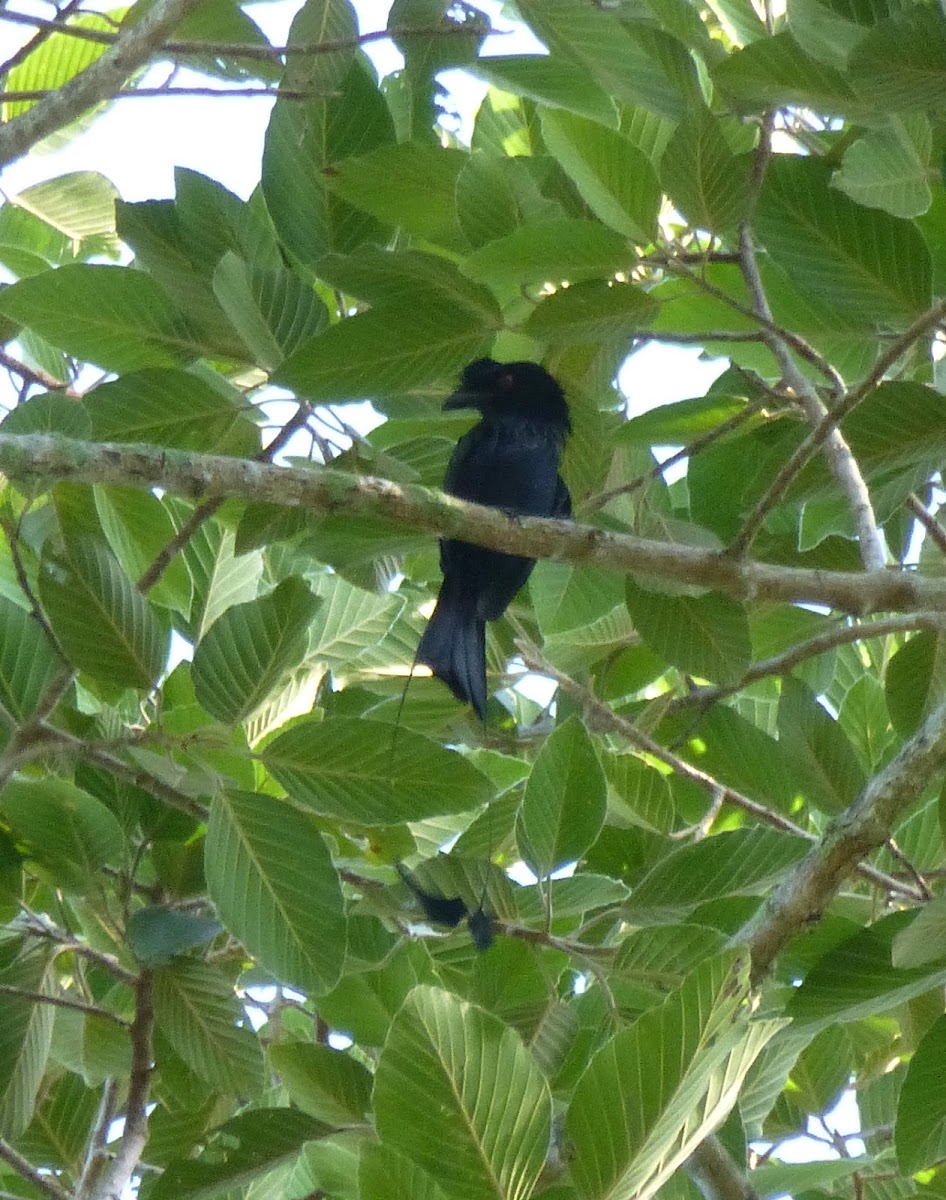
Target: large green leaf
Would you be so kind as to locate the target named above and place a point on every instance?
(63, 825)
(81, 205)
(26, 1031)
(549, 251)
(103, 624)
(304, 140)
(829, 773)
(329, 1084)
(776, 71)
(740, 862)
(458, 1094)
(118, 319)
(614, 178)
(889, 168)
(634, 62)
(250, 650)
(244, 1151)
(221, 577)
(564, 804)
(272, 880)
(196, 1010)
(137, 527)
(702, 176)
(28, 663)
(920, 1131)
(869, 264)
(706, 636)
(551, 81)
(653, 1118)
(901, 64)
(171, 408)
(591, 311)
(383, 351)
(359, 771)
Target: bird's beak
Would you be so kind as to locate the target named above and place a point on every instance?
(462, 398)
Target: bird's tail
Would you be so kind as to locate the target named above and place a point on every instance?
(454, 646)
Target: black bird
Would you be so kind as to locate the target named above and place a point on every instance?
(509, 460)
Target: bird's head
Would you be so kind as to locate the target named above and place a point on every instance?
(523, 389)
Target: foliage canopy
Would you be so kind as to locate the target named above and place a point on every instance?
(743, 760)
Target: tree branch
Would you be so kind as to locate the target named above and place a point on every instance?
(43, 1183)
(117, 1174)
(61, 1002)
(808, 889)
(717, 1176)
(840, 459)
(43, 457)
(133, 47)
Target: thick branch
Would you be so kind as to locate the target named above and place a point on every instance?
(43, 1183)
(807, 890)
(39, 456)
(133, 47)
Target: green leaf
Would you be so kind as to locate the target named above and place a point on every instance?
(706, 636)
(633, 62)
(173, 409)
(458, 1094)
(411, 185)
(81, 205)
(612, 176)
(350, 623)
(48, 412)
(157, 935)
(63, 825)
(221, 578)
(702, 176)
(273, 882)
(901, 64)
(196, 1010)
(250, 650)
(137, 527)
(653, 1119)
(384, 351)
(564, 804)
(246, 1149)
(915, 681)
(829, 772)
(644, 793)
(25, 1037)
(104, 625)
(385, 1174)
(28, 663)
(740, 862)
(870, 265)
(303, 142)
(551, 81)
(857, 979)
(776, 71)
(920, 1130)
(326, 1083)
(591, 312)
(272, 310)
(889, 168)
(120, 320)
(924, 939)
(550, 251)
(58, 59)
(354, 770)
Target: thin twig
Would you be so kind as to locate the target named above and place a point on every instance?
(929, 522)
(38, 38)
(204, 511)
(7, 989)
(252, 51)
(593, 503)
(781, 664)
(46, 1184)
(840, 459)
(133, 47)
(97, 1153)
(34, 374)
